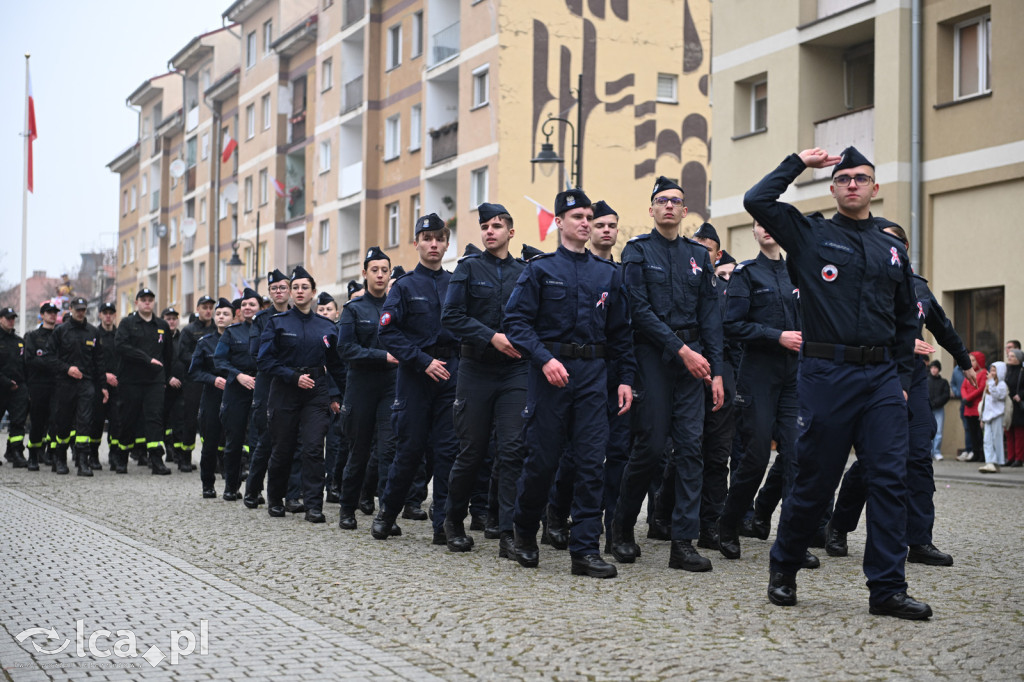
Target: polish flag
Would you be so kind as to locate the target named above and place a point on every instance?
(230, 144)
(545, 218)
(278, 186)
(31, 132)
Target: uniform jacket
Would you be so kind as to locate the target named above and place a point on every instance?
(931, 315)
(762, 303)
(12, 359)
(74, 344)
(202, 368)
(37, 368)
(186, 345)
(105, 340)
(138, 342)
(231, 356)
(474, 307)
(358, 344)
(293, 339)
(411, 317)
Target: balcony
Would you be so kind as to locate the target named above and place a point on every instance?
(856, 128)
(297, 128)
(444, 44)
(190, 180)
(188, 245)
(153, 257)
(444, 142)
(827, 8)
(351, 179)
(353, 95)
(354, 11)
(350, 259)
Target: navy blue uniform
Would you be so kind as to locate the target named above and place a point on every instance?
(191, 391)
(491, 390)
(410, 329)
(572, 307)
(204, 372)
(110, 410)
(258, 412)
(673, 299)
(233, 357)
(295, 343)
(856, 301)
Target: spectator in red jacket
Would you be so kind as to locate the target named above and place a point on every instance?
(971, 396)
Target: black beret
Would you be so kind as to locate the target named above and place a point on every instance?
(48, 307)
(601, 209)
(429, 223)
(205, 298)
(354, 286)
(374, 253)
(276, 276)
(250, 293)
(108, 307)
(488, 211)
(851, 158)
(169, 311)
(300, 273)
(223, 303)
(397, 272)
(662, 184)
(570, 198)
(144, 291)
(324, 298)
(707, 231)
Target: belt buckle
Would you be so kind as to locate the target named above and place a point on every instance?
(579, 350)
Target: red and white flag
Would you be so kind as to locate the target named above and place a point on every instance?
(31, 132)
(545, 218)
(230, 144)
(278, 186)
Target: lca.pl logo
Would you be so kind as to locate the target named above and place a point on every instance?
(98, 643)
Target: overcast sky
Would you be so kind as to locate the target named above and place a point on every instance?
(87, 57)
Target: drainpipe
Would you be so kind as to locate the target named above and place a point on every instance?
(915, 134)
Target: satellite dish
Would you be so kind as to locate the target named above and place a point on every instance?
(161, 230)
(177, 168)
(231, 193)
(188, 227)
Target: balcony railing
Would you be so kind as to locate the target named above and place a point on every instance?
(354, 11)
(856, 128)
(188, 244)
(444, 44)
(444, 142)
(351, 179)
(353, 94)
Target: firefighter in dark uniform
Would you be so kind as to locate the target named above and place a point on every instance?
(280, 291)
(410, 329)
(145, 353)
(40, 388)
(204, 371)
(370, 385)
(237, 365)
(859, 326)
(491, 390)
(569, 312)
(191, 393)
(676, 316)
(13, 389)
(109, 411)
(298, 349)
(77, 365)
(920, 475)
(174, 400)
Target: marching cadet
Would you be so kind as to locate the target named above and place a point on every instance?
(491, 390)
(298, 349)
(191, 392)
(111, 409)
(335, 445)
(40, 388)
(205, 372)
(428, 355)
(13, 390)
(370, 385)
(174, 401)
(145, 354)
(569, 312)
(76, 362)
(237, 365)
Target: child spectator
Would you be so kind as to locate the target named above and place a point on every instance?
(992, 417)
(938, 396)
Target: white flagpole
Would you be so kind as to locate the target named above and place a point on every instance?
(24, 217)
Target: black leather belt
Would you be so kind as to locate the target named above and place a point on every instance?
(488, 354)
(687, 335)
(313, 372)
(575, 351)
(442, 352)
(854, 355)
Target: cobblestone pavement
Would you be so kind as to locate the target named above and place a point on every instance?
(284, 598)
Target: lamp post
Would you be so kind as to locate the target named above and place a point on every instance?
(547, 158)
(235, 262)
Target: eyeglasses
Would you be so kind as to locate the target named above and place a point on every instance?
(860, 179)
(280, 288)
(664, 201)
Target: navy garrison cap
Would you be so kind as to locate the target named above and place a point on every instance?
(276, 276)
(324, 298)
(851, 158)
(569, 199)
(353, 287)
(471, 249)
(530, 251)
(707, 231)
(250, 293)
(725, 259)
(487, 211)
(397, 272)
(602, 209)
(300, 273)
(223, 303)
(236, 303)
(662, 184)
(375, 253)
(429, 223)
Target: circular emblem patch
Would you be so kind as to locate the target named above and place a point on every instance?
(385, 319)
(829, 273)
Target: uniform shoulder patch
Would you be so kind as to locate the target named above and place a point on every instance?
(641, 237)
(816, 215)
(469, 256)
(744, 264)
(541, 256)
(279, 314)
(918, 277)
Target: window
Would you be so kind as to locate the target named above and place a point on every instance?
(263, 187)
(393, 225)
(265, 109)
(248, 194)
(668, 88)
(131, 250)
(326, 75)
(325, 235)
(173, 239)
(759, 106)
(206, 146)
(481, 85)
(124, 195)
(201, 277)
(174, 289)
(414, 214)
(415, 127)
(142, 239)
(124, 252)
(392, 137)
(477, 187)
(417, 35)
(143, 185)
(268, 36)
(978, 318)
(222, 272)
(250, 121)
(202, 210)
(972, 57)
(134, 199)
(394, 55)
(250, 50)
(206, 80)
(190, 152)
(325, 156)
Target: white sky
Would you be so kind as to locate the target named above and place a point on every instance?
(87, 57)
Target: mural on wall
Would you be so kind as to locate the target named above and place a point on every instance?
(656, 126)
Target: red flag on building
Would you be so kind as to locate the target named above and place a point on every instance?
(545, 218)
(31, 132)
(278, 186)
(230, 144)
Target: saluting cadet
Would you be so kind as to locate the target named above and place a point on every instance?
(191, 392)
(569, 312)
(491, 390)
(370, 385)
(145, 354)
(859, 326)
(676, 317)
(13, 390)
(204, 371)
(174, 401)
(77, 365)
(237, 365)
(298, 349)
(410, 329)
(40, 388)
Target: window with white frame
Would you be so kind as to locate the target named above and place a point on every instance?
(415, 127)
(325, 235)
(414, 214)
(173, 236)
(265, 110)
(134, 200)
(325, 156)
(417, 35)
(758, 106)
(477, 187)
(248, 194)
(481, 85)
(394, 46)
(131, 250)
(202, 210)
(201, 277)
(124, 196)
(143, 185)
(668, 88)
(205, 146)
(393, 224)
(392, 137)
(268, 35)
(124, 252)
(264, 187)
(142, 239)
(222, 272)
(972, 57)
(326, 75)
(250, 121)
(250, 50)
